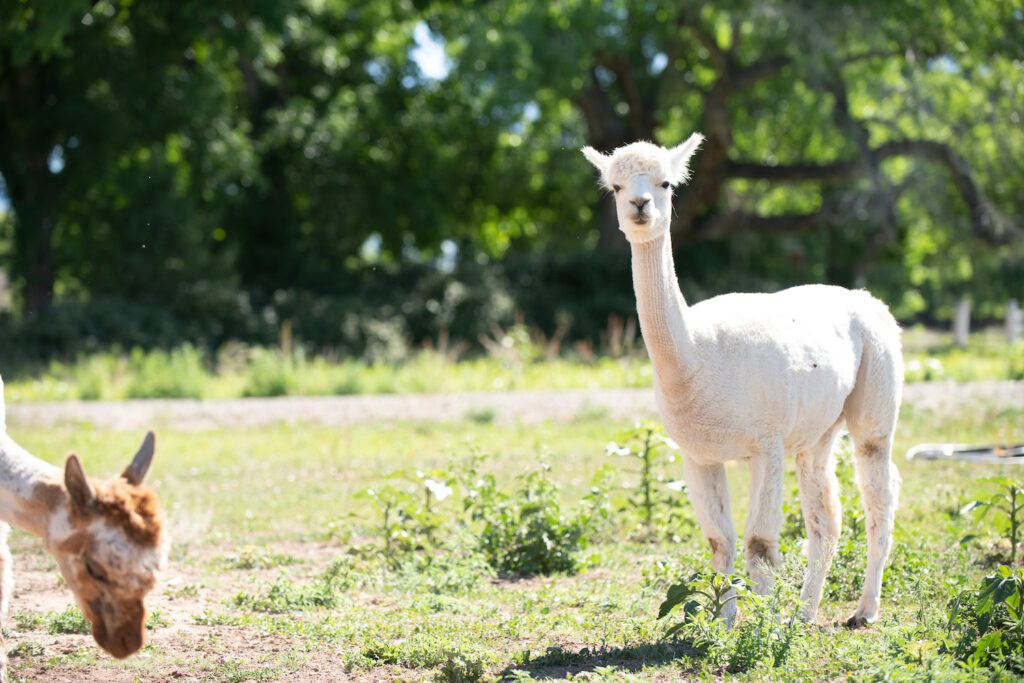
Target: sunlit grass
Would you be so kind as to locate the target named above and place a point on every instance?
(235, 497)
(240, 371)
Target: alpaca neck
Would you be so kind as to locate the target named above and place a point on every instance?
(663, 311)
(29, 488)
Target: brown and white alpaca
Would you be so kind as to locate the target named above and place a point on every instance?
(106, 536)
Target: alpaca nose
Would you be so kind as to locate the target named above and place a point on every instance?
(640, 202)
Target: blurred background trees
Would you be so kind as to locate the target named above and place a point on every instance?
(205, 171)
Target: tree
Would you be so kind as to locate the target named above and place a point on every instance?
(109, 110)
(819, 115)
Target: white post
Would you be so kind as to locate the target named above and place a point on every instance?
(962, 322)
(1014, 321)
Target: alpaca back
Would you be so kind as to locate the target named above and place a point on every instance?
(787, 362)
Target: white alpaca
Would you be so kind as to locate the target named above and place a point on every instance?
(105, 535)
(756, 376)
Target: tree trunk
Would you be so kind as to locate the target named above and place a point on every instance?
(609, 236)
(34, 193)
(38, 266)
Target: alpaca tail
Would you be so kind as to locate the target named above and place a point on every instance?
(874, 404)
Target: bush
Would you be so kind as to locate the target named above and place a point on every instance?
(528, 533)
(167, 374)
(986, 626)
(270, 374)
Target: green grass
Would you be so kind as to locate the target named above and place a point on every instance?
(242, 504)
(241, 371)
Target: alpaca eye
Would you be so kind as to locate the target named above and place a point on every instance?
(95, 572)
(616, 188)
(666, 184)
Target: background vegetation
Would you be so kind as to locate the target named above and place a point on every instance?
(191, 172)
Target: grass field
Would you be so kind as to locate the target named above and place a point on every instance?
(305, 553)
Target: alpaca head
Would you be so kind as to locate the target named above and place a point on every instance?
(108, 543)
(641, 176)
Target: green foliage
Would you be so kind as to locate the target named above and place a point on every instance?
(256, 557)
(285, 595)
(172, 374)
(768, 633)
(662, 504)
(700, 600)
(68, 621)
(527, 532)
(459, 668)
(986, 626)
(270, 375)
(1008, 504)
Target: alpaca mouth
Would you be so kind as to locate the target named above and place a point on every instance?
(641, 219)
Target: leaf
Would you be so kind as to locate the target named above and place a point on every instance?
(995, 589)
(674, 629)
(988, 645)
(676, 594)
(968, 538)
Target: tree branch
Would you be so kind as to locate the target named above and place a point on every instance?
(640, 114)
(837, 171)
(988, 222)
(832, 212)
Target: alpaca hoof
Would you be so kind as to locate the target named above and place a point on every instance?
(858, 621)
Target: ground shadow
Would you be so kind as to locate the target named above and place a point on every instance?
(557, 662)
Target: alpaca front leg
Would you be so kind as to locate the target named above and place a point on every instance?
(819, 498)
(709, 491)
(764, 518)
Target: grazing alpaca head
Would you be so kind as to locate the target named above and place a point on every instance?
(641, 176)
(107, 540)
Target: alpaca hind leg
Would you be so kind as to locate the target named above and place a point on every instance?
(709, 492)
(879, 483)
(764, 517)
(871, 410)
(819, 499)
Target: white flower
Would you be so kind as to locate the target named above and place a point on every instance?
(914, 365)
(935, 364)
(438, 488)
(677, 485)
(614, 449)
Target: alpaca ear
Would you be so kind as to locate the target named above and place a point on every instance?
(679, 157)
(80, 491)
(136, 471)
(599, 160)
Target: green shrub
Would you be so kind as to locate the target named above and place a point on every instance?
(68, 621)
(167, 374)
(986, 626)
(459, 668)
(285, 595)
(270, 374)
(528, 533)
